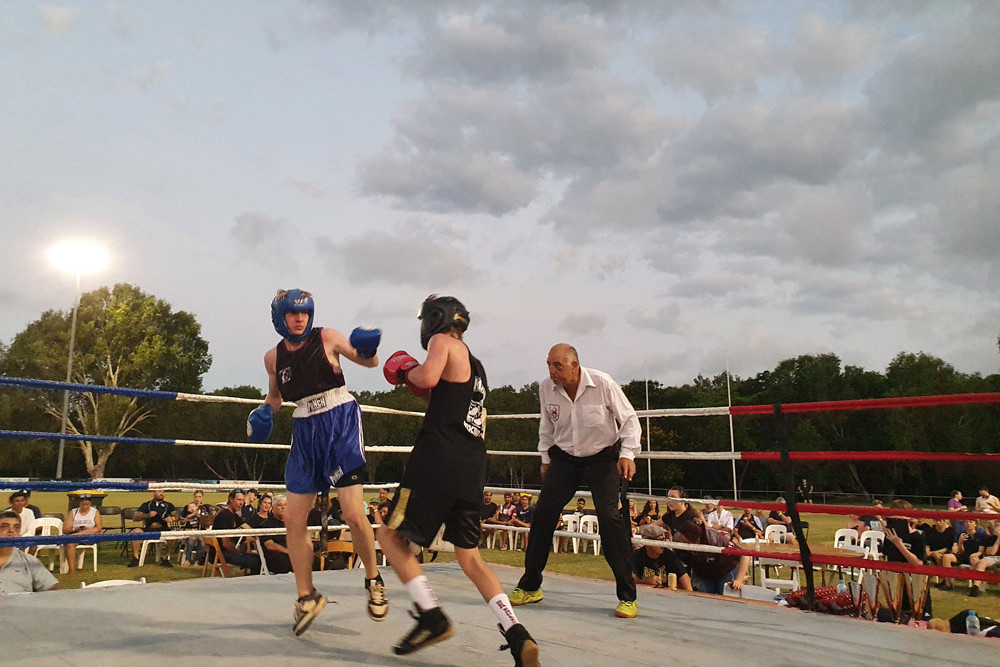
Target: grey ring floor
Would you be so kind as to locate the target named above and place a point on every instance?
(247, 621)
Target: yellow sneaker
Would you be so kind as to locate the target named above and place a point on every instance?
(627, 609)
(520, 597)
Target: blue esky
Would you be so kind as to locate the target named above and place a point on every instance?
(660, 184)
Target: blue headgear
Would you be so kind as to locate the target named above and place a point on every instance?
(292, 301)
(440, 314)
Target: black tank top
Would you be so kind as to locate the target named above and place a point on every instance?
(307, 370)
(455, 413)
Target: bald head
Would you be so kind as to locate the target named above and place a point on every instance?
(564, 367)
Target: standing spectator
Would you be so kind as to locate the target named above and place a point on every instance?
(710, 572)
(589, 433)
(156, 516)
(275, 547)
(21, 572)
(653, 564)
(803, 492)
(955, 504)
(19, 506)
(82, 520)
(905, 544)
(231, 518)
(987, 503)
(987, 556)
(487, 513)
(718, 518)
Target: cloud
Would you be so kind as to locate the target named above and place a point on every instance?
(415, 254)
(824, 52)
(665, 319)
(257, 231)
(121, 21)
(60, 20)
(582, 324)
(307, 188)
(149, 77)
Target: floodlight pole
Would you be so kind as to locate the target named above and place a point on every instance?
(69, 378)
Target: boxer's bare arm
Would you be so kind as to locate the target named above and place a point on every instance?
(273, 393)
(337, 345)
(446, 358)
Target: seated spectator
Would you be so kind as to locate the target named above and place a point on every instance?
(191, 519)
(19, 506)
(940, 539)
(955, 504)
(710, 572)
(383, 511)
(650, 513)
(383, 495)
(986, 502)
(156, 516)
(34, 508)
(82, 520)
(231, 518)
(487, 513)
(987, 556)
(804, 492)
(249, 504)
(372, 515)
(872, 521)
(21, 572)
(315, 516)
(779, 518)
(524, 516)
(654, 564)
(905, 544)
(750, 526)
(633, 513)
(969, 542)
(275, 548)
(262, 514)
(504, 517)
(718, 518)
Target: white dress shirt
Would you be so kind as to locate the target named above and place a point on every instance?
(720, 517)
(600, 415)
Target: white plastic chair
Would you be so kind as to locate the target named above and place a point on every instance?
(571, 524)
(872, 541)
(145, 547)
(108, 583)
(779, 531)
(81, 551)
(588, 524)
(50, 526)
(844, 537)
(777, 582)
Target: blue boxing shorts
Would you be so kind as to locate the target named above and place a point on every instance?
(327, 443)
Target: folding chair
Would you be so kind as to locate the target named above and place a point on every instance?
(214, 559)
(338, 546)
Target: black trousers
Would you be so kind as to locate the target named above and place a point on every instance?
(563, 480)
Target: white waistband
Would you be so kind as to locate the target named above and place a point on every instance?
(317, 403)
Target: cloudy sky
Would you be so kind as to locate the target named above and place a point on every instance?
(663, 184)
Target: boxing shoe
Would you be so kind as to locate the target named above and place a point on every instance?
(432, 627)
(522, 645)
(627, 609)
(307, 608)
(378, 604)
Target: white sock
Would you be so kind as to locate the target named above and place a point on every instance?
(421, 592)
(500, 606)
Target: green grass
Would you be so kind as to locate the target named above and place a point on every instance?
(112, 565)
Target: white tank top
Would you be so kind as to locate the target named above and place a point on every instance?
(84, 520)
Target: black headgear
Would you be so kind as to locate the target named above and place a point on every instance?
(439, 314)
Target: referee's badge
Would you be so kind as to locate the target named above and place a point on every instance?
(554, 412)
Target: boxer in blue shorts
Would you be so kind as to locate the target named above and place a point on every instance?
(327, 439)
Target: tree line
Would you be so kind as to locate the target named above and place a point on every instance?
(127, 338)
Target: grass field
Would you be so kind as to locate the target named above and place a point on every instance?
(112, 564)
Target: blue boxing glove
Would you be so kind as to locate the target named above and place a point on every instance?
(366, 341)
(259, 423)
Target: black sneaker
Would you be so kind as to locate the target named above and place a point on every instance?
(522, 646)
(432, 627)
(975, 592)
(378, 604)
(134, 562)
(307, 608)
(166, 563)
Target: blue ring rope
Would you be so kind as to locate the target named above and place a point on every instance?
(93, 388)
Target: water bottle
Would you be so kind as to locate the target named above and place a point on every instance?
(972, 623)
(841, 587)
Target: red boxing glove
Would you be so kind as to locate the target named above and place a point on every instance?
(397, 366)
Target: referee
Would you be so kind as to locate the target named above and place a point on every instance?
(585, 415)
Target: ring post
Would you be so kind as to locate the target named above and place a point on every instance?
(781, 431)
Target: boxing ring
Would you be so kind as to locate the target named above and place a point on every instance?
(248, 618)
